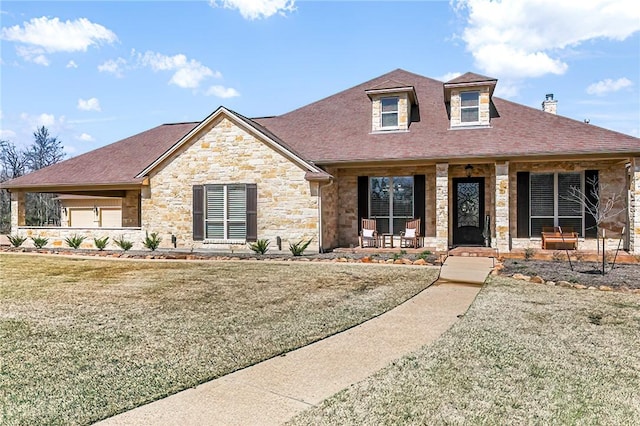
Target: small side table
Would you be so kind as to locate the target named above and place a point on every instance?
(383, 240)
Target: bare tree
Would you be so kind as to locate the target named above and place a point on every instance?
(42, 208)
(12, 165)
(601, 203)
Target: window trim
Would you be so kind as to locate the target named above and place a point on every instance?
(391, 217)
(225, 217)
(475, 107)
(556, 217)
(396, 112)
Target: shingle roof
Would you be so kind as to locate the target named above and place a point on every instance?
(114, 164)
(338, 129)
(470, 77)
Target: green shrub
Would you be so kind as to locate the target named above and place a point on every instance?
(16, 240)
(424, 255)
(261, 246)
(298, 248)
(101, 243)
(39, 241)
(122, 243)
(152, 241)
(75, 241)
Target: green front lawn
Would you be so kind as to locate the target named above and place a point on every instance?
(523, 354)
(81, 340)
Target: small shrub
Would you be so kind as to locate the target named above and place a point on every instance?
(16, 240)
(39, 241)
(122, 243)
(75, 241)
(101, 243)
(298, 248)
(396, 256)
(424, 255)
(558, 256)
(529, 252)
(260, 247)
(152, 241)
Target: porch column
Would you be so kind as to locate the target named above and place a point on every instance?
(501, 219)
(442, 207)
(634, 206)
(131, 209)
(18, 210)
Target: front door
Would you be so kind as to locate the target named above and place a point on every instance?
(468, 211)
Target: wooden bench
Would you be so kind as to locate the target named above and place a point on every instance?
(560, 238)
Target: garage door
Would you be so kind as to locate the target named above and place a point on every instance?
(81, 218)
(110, 218)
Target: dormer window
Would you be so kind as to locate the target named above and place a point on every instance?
(389, 113)
(468, 99)
(391, 107)
(470, 107)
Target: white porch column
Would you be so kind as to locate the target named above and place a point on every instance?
(501, 219)
(442, 207)
(634, 207)
(18, 213)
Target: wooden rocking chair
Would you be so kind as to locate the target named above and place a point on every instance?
(369, 233)
(410, 237)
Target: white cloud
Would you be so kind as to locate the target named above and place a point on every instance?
(222, 92)
(608, 85)
(7, 134)
(48, 120)
(114, 66)
(72, 64)
(53, 35)
(188, 73)
(85, 137)
(256, 9)
(522, 39)
(448, 76)
(32, 54)
(91, 104)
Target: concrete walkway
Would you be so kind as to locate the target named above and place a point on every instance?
(273, 391)
(466, 269)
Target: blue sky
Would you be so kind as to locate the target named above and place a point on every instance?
(96, 72)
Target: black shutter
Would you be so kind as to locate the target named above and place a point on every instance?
(591, 230)
(252, 212)
(363, 200)
(523, 204)
(419, 200)
(198, 212)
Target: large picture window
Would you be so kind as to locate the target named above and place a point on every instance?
(550, 204)
(225, 212)
(391, 202)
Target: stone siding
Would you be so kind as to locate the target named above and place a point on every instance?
(404, 111)
(224, 154)
(501, 221)
(330, 213)
(634, 206)
(442, 206)
(484, 111)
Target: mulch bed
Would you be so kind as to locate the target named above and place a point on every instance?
(621, 277)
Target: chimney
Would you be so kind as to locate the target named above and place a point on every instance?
(549, 105)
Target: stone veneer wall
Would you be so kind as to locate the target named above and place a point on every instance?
(347, 181)
(484, 107)
(404, 111)
(612, 176)
(224, 154)
(330, 237)
(57, 236)
(634, 206)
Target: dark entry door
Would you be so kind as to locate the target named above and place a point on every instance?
(468, 211)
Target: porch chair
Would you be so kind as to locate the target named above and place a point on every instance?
(368, 234)
(410, 237)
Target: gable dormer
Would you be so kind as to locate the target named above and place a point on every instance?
(469, 98)
(391, 104)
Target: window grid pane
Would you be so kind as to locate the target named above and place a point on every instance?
(391, 202)
(225, 216)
